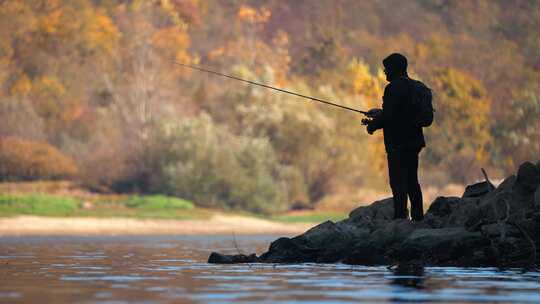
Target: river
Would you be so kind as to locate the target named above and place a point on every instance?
(166, 269)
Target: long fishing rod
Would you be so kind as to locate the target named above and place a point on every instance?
(270, 87)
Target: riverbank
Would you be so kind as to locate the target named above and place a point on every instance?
(216, 224)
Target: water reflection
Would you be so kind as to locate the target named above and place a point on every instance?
(409, 275)
(173, 269)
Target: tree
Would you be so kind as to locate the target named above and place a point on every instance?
(460, 135)
(519, 130)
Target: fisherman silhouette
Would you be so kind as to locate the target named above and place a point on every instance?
(403, 137)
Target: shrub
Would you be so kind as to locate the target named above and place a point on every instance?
(206, 163)
(37, 204)
(158, 202)
(22, 159)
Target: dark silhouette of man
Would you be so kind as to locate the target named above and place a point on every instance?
(403, 140)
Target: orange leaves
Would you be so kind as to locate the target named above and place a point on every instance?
(101, 33)
(21, 87)
(173, 42)
(51, 22)
(250, 15)
(22, 159)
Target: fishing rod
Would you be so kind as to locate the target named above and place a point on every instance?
(270, 87)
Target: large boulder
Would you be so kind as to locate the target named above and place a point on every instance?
(391, 232)
(367, 253)
(528, 176)
(453, 212)
(444, 246)
(286, 250)
(379, 210)
(478, 189)
(326, 242)
(443, 206)
(510, 200)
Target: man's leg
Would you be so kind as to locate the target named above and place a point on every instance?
(397, 175)
(413, 187)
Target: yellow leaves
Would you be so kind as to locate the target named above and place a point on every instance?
(370, 88)
(21, 87)
(51, 86)
(250, 15)
(364, 83)
(462, 124)
(101, 33)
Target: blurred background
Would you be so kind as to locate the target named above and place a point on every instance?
(95, 119)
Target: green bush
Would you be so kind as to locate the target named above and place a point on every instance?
(206, 163)
(158, 202)
(37, 204)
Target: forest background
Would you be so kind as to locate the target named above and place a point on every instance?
(89, 93)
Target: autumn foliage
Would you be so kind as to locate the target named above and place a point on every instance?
(95, 80)
(29, 160)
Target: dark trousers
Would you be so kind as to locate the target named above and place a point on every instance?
(403, 172)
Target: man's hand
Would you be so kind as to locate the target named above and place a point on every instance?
(370, 127)
(374, 113)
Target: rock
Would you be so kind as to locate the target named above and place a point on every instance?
(500, 230)
(528, 176)
(445, 246)
(465, 214)
(537, 198)
(443, 206)
(327, 239)
(285, 250)
(364, 253)
(392, 232)
(478, 189)
(379, 210)
(494, 228)
(452, 212)
(507, 183)
(218, 258)
(327, 242)
(510, 199)
(429, 238)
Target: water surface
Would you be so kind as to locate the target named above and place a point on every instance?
(165, 269)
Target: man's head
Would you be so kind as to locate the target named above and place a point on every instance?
(395, 65)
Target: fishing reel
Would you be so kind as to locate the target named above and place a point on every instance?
(366, 121)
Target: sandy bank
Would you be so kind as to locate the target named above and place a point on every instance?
(218, 224)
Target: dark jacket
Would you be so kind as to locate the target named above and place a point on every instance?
(396, 120)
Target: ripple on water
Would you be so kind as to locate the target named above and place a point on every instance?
(113, 278)
(156, 270)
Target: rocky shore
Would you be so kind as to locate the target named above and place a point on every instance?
(487, 226)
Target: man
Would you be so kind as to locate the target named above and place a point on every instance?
(403, 139)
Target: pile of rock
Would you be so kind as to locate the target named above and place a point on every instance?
(487, 226)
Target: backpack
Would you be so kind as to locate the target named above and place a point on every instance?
(422, 104)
